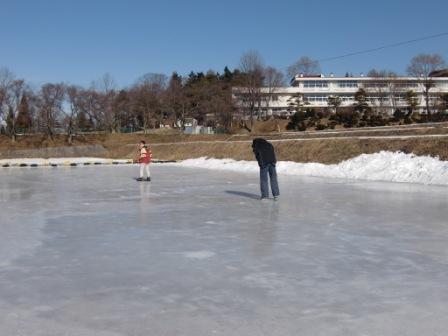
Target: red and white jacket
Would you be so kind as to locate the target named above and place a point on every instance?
(145, 155)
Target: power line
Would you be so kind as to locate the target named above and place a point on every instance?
(382, 47)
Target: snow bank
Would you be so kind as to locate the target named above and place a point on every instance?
(382, 166)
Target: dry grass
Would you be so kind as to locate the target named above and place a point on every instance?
(319, 150)
(324, 148)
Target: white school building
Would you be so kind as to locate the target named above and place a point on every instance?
(384, 95)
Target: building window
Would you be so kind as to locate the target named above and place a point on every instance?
(348, 84)
(317, 98)
(377, 98)
(400, 98)
(404, 86)
(315, 84)
(375, 85)
(347, 98)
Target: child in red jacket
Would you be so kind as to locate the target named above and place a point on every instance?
(144, 159)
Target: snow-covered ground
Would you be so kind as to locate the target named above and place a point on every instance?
(90, 251)
(382, 166)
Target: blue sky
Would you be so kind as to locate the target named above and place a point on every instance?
(78, 41)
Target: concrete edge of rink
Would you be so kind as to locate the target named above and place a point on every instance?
(17, 163)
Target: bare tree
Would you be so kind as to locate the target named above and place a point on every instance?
(92, 107)
(79, 109)
(51, 98)
(224, 108)
(121, 107)
(147, 98)
(304, 65)
(6, 79)
(105, 115)
(156, 79)
(15, 93)
(6, 76)
(175, 100)
(273, 81)
(421, 67)
(382, 88)
(251, 65)
(72, 110)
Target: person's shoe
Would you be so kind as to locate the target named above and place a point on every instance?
(275, 198)
(139, 178)
(148, 179)
(263, 198)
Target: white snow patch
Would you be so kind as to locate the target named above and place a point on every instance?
(199, 255)
(382, 166)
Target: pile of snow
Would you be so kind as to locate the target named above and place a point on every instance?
(382, 166)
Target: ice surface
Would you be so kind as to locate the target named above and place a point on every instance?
(89, 251)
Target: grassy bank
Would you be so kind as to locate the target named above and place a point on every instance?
(315, 150)
(324, 147)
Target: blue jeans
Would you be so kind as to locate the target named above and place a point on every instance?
(264, 171)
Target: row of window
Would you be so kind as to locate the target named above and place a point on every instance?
(348, 84)
(350, 98)
(315, 84)
(354, 84)
(317, 99)
(406, 85)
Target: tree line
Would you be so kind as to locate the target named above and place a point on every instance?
(152, 101)
(156, 100)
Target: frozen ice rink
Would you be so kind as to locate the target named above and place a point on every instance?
(90, 251)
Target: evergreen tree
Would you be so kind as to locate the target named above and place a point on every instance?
(334, 101)
(361, 102)
(412, 101)
(175, 77)
(227, 75)
(297, 102)
(11, 123)
(24, 121)
(444, 99)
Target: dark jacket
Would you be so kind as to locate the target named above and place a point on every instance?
(264, 152)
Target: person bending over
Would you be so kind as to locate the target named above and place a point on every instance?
(265, 155)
